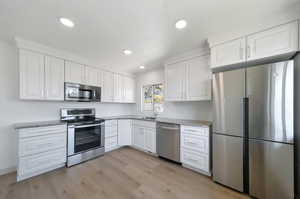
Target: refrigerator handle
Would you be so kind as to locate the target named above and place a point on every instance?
(246, 116)
(246, 144)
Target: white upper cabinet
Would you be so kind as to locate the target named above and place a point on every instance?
(32, 75)
(174, 81)
(228, 53)
(54, 78)
(74, 73)
(276, 41)
(280, 41)
(107, 92)
(93, 76)
(198, 84)
(189, 80)
(128, 89)
(117, 88)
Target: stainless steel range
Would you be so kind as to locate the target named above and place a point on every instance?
(85, 135)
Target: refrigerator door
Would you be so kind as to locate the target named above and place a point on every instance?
(228, 161)
(270, 89)
(271, 170)
(229, 91)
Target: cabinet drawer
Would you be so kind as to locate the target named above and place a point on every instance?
(201, 130)
(111, 131)
(111, 123)
(34, 145)
(144, 123)
(198, 143)
(36, 163)
(196, 160)
(39, 131)
(111, 142)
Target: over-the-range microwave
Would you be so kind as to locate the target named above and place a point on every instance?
(82, 93)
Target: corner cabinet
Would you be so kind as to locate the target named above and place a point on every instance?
(41, 77)
(188, 80)
(278, 42)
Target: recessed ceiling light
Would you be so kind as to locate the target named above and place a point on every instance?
(180, 24)
(142, 67)
(67, 22)
(127, 52)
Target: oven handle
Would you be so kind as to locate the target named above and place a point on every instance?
(84, 126)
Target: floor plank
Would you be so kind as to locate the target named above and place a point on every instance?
(122, 174)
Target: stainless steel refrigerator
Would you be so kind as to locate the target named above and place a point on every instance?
(253, 130)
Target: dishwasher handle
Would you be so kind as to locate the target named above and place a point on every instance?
(170, 128)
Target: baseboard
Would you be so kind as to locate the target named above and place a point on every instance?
(7, 170)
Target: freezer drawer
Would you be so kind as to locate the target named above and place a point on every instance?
(228, 161)
(271, 170)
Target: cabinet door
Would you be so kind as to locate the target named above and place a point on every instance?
(74, 73)
(139, 137)
(54, 78)
(150, 140)
(107, 94)
(198, 79)
(279, 40)
(174, 80)
(32, 75)
(128, 89)
(93, 76)
(125, 132)
(232, 52)
(118, 87)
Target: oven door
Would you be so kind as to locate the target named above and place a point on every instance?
(85, 137)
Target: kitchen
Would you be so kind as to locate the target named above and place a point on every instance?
(33, 94)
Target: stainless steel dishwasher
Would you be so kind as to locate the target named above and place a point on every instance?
(168, 141)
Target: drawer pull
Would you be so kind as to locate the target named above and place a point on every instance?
(192, 143)
(192, 159)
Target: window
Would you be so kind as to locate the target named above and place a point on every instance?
(152, 98)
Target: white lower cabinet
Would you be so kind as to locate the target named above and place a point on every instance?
(150, 140)
(195, 148)
(40, 150)
(111, 135)
(144, 135)
(124, 132)
(139, 137)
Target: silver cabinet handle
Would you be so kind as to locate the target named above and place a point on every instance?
(248, 51)
(241, 53)
(169, 128)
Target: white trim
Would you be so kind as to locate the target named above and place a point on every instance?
(198, 52)
(61, 54)
(7, 170)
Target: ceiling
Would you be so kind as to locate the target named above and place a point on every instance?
(103, 28)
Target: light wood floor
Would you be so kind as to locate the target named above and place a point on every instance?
(124, 173)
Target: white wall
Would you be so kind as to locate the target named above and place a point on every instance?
(182, 110)
(13, 110)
